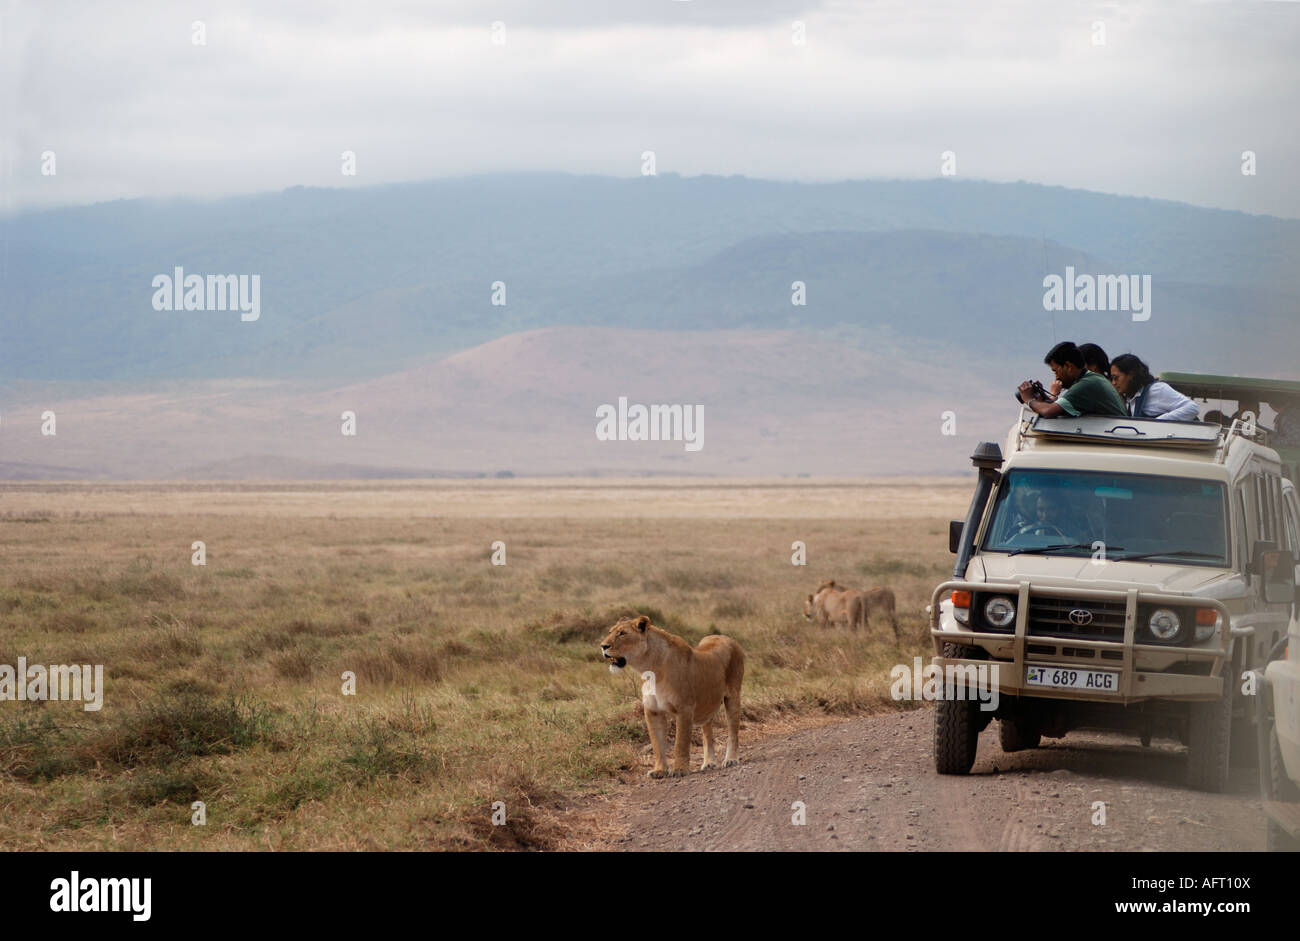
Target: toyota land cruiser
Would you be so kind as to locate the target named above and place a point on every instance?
(1121, 574)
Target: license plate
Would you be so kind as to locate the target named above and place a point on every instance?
(1095, 681)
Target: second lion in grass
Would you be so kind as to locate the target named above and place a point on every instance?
(688, 684)
(834, 604)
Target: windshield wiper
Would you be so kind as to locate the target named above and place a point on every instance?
(1031, 550)
(1178, 552)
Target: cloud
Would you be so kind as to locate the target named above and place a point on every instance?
(131, 107)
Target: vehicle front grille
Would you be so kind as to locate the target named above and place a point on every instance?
(1050, 617)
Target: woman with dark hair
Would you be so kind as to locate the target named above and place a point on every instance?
(1147, 396)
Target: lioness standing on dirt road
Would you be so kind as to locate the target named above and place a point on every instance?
(687, 683)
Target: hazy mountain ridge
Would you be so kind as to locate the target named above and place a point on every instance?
(921, 298)
(983, 293)
(364, 281)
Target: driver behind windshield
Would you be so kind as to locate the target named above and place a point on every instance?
(1024, 501)
(1040, 524)
(1037, 513)
(1042, 513)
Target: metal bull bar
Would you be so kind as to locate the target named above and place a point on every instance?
(1134, 685)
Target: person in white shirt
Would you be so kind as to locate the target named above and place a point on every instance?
(1147, 396)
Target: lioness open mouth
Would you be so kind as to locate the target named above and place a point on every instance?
(619, 662)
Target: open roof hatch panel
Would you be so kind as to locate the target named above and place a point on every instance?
(1113, 430)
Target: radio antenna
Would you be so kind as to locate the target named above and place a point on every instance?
(1066, 287)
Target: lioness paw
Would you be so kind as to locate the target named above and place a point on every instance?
(656, 773)
(678, 773)
(730, 761)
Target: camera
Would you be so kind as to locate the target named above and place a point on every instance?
(1038, 390)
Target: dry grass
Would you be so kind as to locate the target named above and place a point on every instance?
(474, 683)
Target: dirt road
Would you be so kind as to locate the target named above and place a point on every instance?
(870, 784)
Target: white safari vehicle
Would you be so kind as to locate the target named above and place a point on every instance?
(1120, 574)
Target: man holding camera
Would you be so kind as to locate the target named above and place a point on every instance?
(1083, 392)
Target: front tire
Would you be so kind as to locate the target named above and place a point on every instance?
(1209, 740)
(956, 729)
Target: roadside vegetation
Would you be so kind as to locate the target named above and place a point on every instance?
(475, 683)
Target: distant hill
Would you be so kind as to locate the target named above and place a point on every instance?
(361, 282)
(921, 298)
(774, 402)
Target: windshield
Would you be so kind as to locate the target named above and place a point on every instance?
(1171, 519)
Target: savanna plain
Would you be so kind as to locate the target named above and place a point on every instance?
(475, 682)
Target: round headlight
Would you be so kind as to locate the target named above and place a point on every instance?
(1000, 612)
(1164, 624)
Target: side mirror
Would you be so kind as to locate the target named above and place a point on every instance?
(954, 534)
(1278, 570)
(1257, 553)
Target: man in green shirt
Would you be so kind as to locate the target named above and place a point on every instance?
(1084, 392)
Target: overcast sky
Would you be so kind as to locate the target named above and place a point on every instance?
(131, 106)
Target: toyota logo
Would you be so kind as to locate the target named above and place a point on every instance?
(1080, 617)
